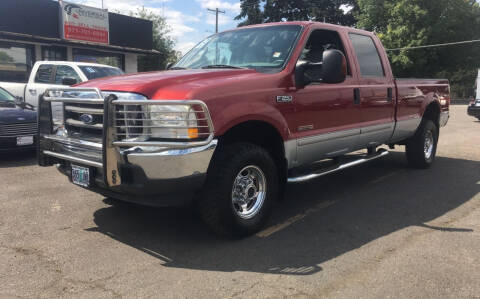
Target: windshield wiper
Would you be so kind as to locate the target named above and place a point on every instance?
(177, 68)
(221, 66)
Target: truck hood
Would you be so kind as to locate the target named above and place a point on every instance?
(176, 84)
(16, 115)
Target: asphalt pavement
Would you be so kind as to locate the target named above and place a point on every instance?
(379, 230)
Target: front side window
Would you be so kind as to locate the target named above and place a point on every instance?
(261, 48)
(367, 56)
(94, 72)
(64, 71)
(320, 41)
(44, 74)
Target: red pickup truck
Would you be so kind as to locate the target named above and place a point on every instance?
(243, 113)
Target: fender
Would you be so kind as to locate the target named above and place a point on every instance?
(241, 112)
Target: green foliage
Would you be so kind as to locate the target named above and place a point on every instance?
(4, 57)
(161, 42)
(265, 11)
(410, 23)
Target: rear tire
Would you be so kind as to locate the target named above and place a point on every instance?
(422, 147)
(241, 188)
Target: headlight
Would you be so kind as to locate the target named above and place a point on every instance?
(172, 122)
(124, 95)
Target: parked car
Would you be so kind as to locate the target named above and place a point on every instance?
(18, 123)
(243, 113)
(474, 107)
(48, 74)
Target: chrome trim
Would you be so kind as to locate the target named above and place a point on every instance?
(111, 154)
(73, 159)
(173, 163)
(308, 177)
(77, 123)
(84, 110)
(164, 143)
(72, 141)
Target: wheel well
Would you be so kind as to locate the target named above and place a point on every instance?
(260, 133)
(433, 113)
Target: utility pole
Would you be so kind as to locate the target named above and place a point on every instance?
(216, 11)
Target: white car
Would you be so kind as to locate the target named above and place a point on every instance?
(49, 74)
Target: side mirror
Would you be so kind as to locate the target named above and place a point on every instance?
(169, 65)
(332, 69)
(69, 81)
(19, 99)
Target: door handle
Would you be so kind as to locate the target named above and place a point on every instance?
(356, 96)
(33, 92)
(389, 94)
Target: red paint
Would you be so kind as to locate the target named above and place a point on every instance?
(235, 96)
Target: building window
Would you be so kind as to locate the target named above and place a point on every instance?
(54, 53)
(113, 59)
(16, 61)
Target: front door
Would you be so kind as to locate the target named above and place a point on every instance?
(326, 117)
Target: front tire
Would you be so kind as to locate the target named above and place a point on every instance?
(241, 188)
(422, 147)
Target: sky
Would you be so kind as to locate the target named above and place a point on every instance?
(189, 20)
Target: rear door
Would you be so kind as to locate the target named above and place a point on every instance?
(376, 91)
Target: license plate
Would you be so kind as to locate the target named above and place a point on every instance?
(24, 140)
(81, 175)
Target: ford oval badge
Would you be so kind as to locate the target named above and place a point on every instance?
(86, 118)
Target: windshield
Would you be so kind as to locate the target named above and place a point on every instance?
(94, 72)
(260, 48)
(5, 96)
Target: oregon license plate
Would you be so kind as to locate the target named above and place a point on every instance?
(81, 175)
(24, 140)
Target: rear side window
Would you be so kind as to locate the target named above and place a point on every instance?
(64, 71)
(367, 56)
(44, 74)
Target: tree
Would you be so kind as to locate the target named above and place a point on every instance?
(265, 11)
(4, 57)
(162, 42)
(410, 23)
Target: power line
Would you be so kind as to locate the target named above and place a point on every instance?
(436, 45)
(216, 11)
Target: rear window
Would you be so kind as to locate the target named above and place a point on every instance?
(367, 56)
(94, 72)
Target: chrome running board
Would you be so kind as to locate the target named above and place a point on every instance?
(307, 177)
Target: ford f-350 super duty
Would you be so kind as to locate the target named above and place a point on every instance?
(243, 113)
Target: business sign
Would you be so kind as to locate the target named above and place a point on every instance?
(84, 23)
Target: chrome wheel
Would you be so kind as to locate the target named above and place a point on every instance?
(248, 192)
(428, 144)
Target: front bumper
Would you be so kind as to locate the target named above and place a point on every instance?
(162, 178)
(474, 111)
(151, 173)
(9, 144)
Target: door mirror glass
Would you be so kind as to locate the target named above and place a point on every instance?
(69, 81)
(332, 69)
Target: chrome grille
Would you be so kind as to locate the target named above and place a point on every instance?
(18, 129)
(85, 119)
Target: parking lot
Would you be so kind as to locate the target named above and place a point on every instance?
(377, 230)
